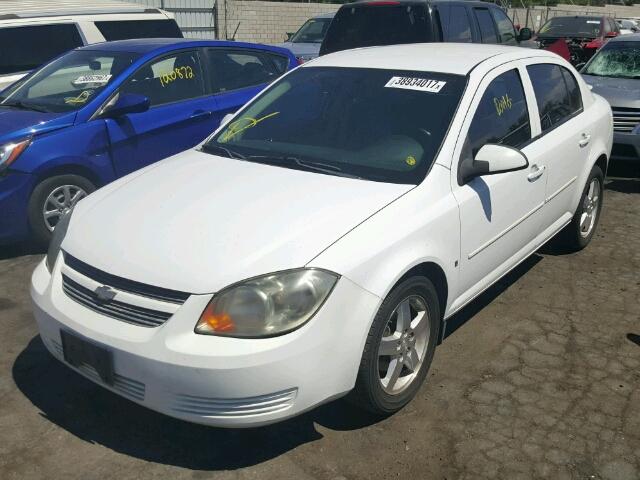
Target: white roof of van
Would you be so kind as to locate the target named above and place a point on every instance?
(47, 8)
(455, 58)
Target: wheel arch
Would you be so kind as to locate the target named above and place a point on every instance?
(436, 274)
(67, 169)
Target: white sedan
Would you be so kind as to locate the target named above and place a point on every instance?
(315, 245)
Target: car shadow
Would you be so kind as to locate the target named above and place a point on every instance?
(456, 321)
(8, 252)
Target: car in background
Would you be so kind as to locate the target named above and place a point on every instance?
(32, 33)
(576, 38)
(389, 22)
(627, 26)
(315, 244)
(305, 43)
(102, 111)
(614, 73)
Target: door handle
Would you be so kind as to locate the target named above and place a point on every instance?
(200, 114)
(536, 173)
(585, 140)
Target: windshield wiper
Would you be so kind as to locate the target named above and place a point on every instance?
(24, 106)
(208, 148)
(306, 164)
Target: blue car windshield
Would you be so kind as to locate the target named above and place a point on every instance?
(375, 124)
(68, 83)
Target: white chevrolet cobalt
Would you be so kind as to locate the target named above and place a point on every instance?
(313, 246)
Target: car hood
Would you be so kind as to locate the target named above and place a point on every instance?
(16, 124)
(197, 222)
(302, 49)
(619, 92)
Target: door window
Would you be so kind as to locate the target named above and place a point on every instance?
(487, 28)
(456, 25)
(557, 94)
(171, 79)
(234, 69)
(505, 27)
(125, 29)
(502, 116)
(26, 48)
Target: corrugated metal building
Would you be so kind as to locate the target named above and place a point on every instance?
(196, 18)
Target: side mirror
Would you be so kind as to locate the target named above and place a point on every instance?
(289, 35)
(525, 34)
(125, 104)
(492, 159)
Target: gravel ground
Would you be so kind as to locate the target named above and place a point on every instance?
(538, 378)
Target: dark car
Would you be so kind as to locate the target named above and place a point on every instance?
(614, 73)
(583, 36)
(372, 23)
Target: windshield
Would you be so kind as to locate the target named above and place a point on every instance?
(381, 125)
(571, 27)
(69, 82)
(313, 31)
(377, 24)
(616, 59)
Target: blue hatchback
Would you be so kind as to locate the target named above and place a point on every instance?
(102, 111)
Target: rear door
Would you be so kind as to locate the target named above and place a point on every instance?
(564, 137)
(237, 75)
(180, 116)
(455, 23)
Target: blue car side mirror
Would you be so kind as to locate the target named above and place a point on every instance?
(125, 104)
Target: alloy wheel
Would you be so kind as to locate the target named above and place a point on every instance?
(590, 206)
(59, 202)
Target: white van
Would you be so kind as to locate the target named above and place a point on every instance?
(31, 33)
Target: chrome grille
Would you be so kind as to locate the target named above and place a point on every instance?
(125, 312)
(625, 119)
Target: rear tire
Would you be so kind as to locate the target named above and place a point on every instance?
(50, 199)
(578, 234)
(399, 348)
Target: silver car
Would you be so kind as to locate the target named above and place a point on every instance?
(614, 73)
(305, 43)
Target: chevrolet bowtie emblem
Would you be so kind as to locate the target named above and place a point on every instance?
(104, 294)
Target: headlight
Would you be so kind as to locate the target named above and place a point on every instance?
(11, 151)
(267, 306)
(56, 240)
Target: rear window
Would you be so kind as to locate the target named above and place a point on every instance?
(571, 27)
(125, 29)
(377, 24)
(26, 48)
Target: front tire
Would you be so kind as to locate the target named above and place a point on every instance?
(578, 234)
(399, 348)
(50, 199)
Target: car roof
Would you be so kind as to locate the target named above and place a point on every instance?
(325, 15)
(455, 58)
(148, 45)
(630, 37)
(13, 9)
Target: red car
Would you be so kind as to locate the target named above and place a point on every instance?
(576, 38)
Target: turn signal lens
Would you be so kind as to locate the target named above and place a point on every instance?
(267, 306)
(10, 152)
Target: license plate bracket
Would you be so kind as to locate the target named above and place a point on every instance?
(78, 352)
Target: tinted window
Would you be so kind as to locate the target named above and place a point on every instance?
(313, 31)
(571, 27)
(369, 25)
(170, 79)
(234, 69)
(382, 125)
(456, 24)
(25, 48)
(556, 102)
(124, 29)
(505, 27)
(502, 116)
(68, 83)
(485, 22)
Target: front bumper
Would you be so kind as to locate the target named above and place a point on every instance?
(219, 381)
(15, 189)
(626, 146)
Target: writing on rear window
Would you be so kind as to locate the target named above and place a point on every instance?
(420, 84)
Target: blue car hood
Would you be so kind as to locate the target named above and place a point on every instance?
(16, 124)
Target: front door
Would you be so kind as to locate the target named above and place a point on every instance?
(499, 214)
(180, 116)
